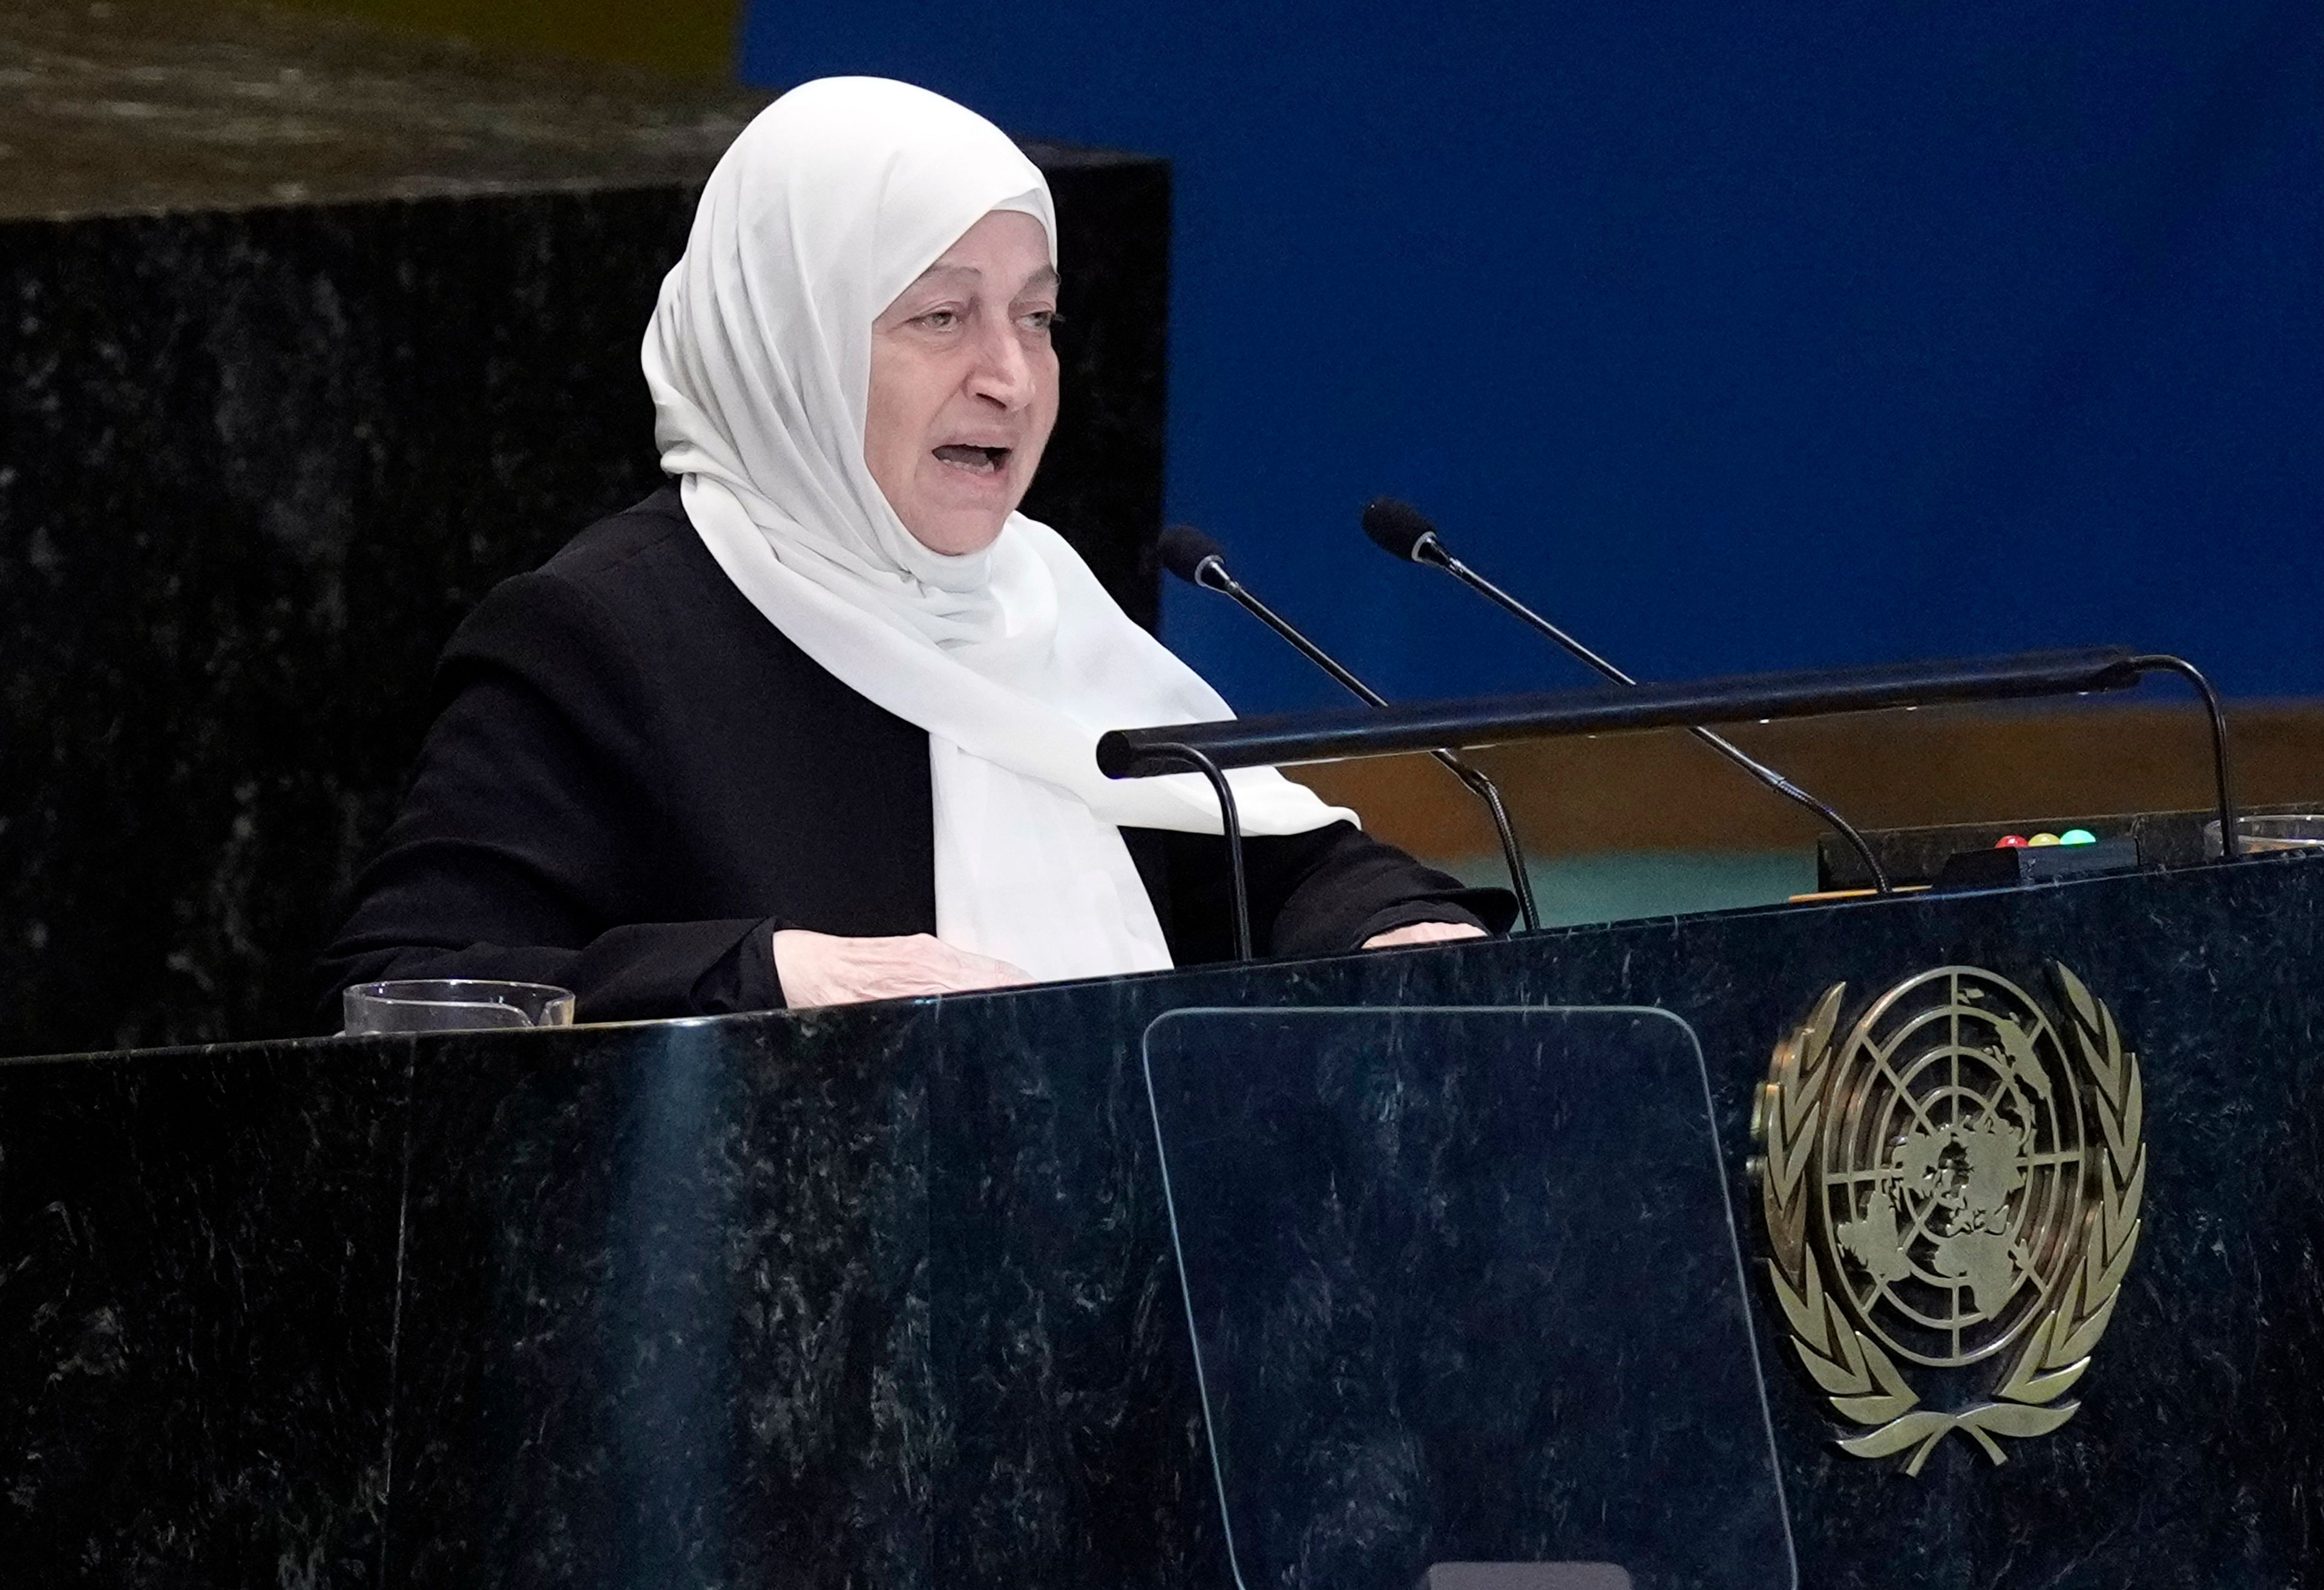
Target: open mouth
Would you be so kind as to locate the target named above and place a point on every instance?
(976, 460)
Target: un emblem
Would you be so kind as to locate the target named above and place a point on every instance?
(1954, 1181)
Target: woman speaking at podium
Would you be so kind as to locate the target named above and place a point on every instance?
(816, 724)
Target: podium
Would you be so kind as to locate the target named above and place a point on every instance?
(894, 1295)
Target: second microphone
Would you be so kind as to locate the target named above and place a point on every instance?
(1200, 560)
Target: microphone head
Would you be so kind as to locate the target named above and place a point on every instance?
(1396, 528)
(1185, 550)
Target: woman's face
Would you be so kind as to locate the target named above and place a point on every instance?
(964, 385)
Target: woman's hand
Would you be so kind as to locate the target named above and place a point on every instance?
(822, 968)
(1421, 933)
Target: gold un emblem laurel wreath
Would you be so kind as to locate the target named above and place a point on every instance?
(1954, 1182)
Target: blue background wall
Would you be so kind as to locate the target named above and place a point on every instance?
(1740, 336)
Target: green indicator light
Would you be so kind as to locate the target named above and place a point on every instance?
(2077, 836)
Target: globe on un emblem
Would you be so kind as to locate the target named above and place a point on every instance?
(1953, 1162)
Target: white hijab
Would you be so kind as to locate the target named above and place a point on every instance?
(1014, 658)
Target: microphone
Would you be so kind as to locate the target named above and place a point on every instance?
(1404, 532)
(1199, 560)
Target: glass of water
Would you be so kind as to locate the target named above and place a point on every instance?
(453, 1004)
(2262, 833)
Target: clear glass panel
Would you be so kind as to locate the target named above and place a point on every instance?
(1464, 1287)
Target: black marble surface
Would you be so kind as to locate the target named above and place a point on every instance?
(198, 1317)
(1470, 1312)
(675, 1281)
(308, 336)
(885, 1296)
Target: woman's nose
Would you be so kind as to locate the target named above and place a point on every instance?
(1002, 373)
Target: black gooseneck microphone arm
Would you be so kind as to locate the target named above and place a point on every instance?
(1230, 825)
(1195, 558)
(2222, 772)
(1403, 531)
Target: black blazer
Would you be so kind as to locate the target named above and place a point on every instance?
(634, 778)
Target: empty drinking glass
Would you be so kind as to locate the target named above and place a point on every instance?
(2259, 834)
(453, 1004)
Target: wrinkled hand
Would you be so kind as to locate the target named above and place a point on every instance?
(822, 968)
(1423, 933)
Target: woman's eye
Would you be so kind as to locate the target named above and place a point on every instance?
(1040, 319)
(940, 319)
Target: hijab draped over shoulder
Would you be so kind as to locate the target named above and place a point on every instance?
(1013, 659)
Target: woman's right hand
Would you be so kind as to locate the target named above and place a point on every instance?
(824, 968)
